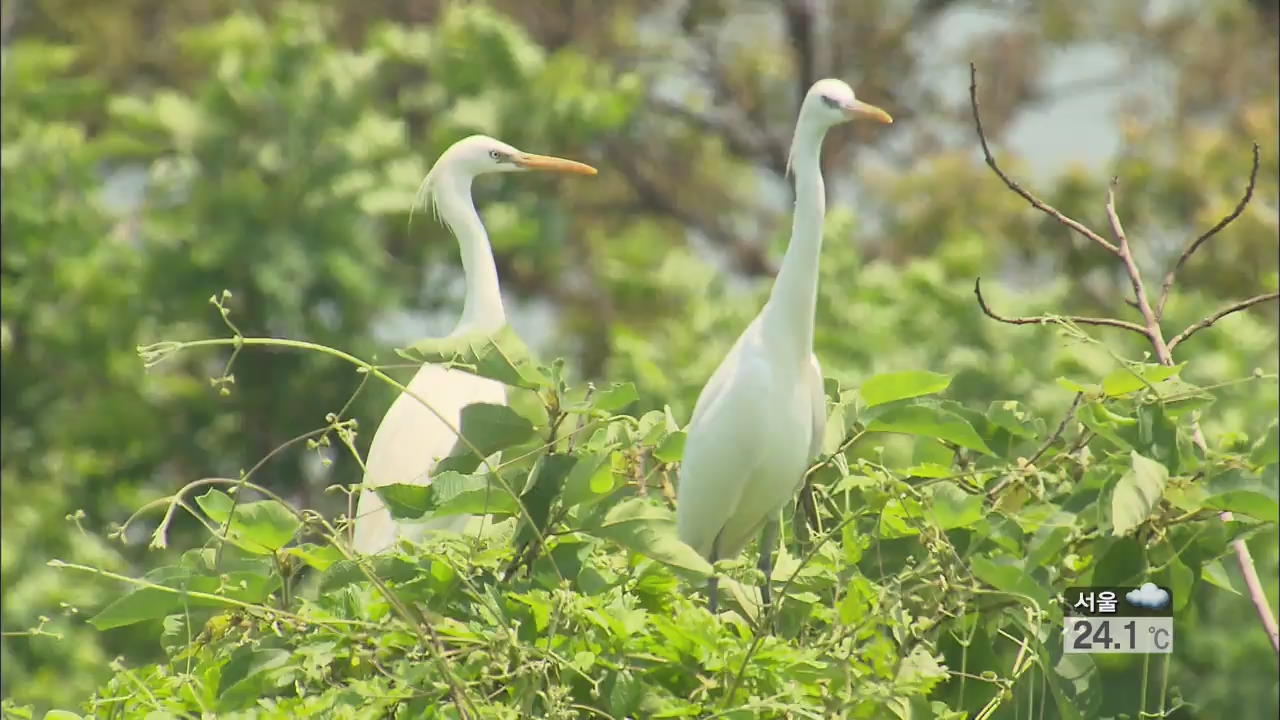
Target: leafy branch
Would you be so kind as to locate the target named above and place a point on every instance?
(1151, 330)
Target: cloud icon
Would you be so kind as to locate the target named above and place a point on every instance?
(1148, 596)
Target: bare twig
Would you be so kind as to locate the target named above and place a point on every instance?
(1153, 331)
(1195, 244)
(1210, 320)
(1036, 202)
(1045, 319)
(1151, 320)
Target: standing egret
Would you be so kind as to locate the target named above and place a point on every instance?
(760, 419)
(411, 438)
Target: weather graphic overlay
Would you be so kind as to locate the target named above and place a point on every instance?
(1118, 620)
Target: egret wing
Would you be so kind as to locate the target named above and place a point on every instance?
(722, 449)
(819, 396)
(409, 442)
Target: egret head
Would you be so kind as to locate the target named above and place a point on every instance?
(480, 154)
(831, 102)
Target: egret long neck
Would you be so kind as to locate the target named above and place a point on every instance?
(482, 307)
(787, 319)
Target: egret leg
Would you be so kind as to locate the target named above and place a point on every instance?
(768, 541)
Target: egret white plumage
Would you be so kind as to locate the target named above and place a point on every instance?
(411, 438)
(760, 419)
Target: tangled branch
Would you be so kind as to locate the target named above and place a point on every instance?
(1151, 316)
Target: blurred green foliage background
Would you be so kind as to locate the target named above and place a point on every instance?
(155, 153)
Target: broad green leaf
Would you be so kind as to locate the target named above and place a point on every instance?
(449, 493)
(1137, 493)
(1011, 417)
(671, 449)
(1216, 574)
(489, 428)
(952, 507)
(151, 603)
(649, 530)
(1007, 577)
(406, 502)
(244, 677)
(501, 356)
(548, 481)
(1267, 450)
(611, 399)
(1128, 379)
(888, 387)
(1121, 561)
(1088, 389)
(319, 557)
(1243, 493)
(929, 422)
(261, 527)
(589, 480)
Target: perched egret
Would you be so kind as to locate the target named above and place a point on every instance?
(411, 438)
(760, 419)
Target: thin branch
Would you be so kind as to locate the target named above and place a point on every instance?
(1153, 331)
(1210, 320)
(1044, 447)
(1036, 202)
(1195, 244)
(1045, 319)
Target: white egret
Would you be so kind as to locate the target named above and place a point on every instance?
(760, 419)
(411, 438)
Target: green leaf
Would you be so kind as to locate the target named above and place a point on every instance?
(501, 356)
(671, 449)
(406, 502)
(1004, 575)
(490, 428)
(649, 530)
(929, 422)
(1267, 450)
(1137, 493)
(1243, 493)
(261, 527)
(1121, 561)
(590, 479)
(1088, 389)
(319, 557)
(888, 387)
(1128, 379)
(1009, 416)
(615, 397)
(244, 677)
(151, 603)
(1215, 574)
(952, 507)
(548, 481)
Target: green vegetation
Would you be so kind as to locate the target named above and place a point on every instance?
(155, 154)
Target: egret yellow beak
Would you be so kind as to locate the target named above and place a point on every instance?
(553, 164)
(858, 109)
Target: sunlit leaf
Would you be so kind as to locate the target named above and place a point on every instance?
(888, 387)
(649, 530)
(500, 355)
(488, 428)
(1137, 493)
(1128, 379)
(929, 422)
(261, 527)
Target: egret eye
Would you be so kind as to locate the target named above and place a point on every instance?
(830, 102)
(496, 155)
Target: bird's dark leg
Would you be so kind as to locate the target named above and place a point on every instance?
(714, 582)
(768, 541)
